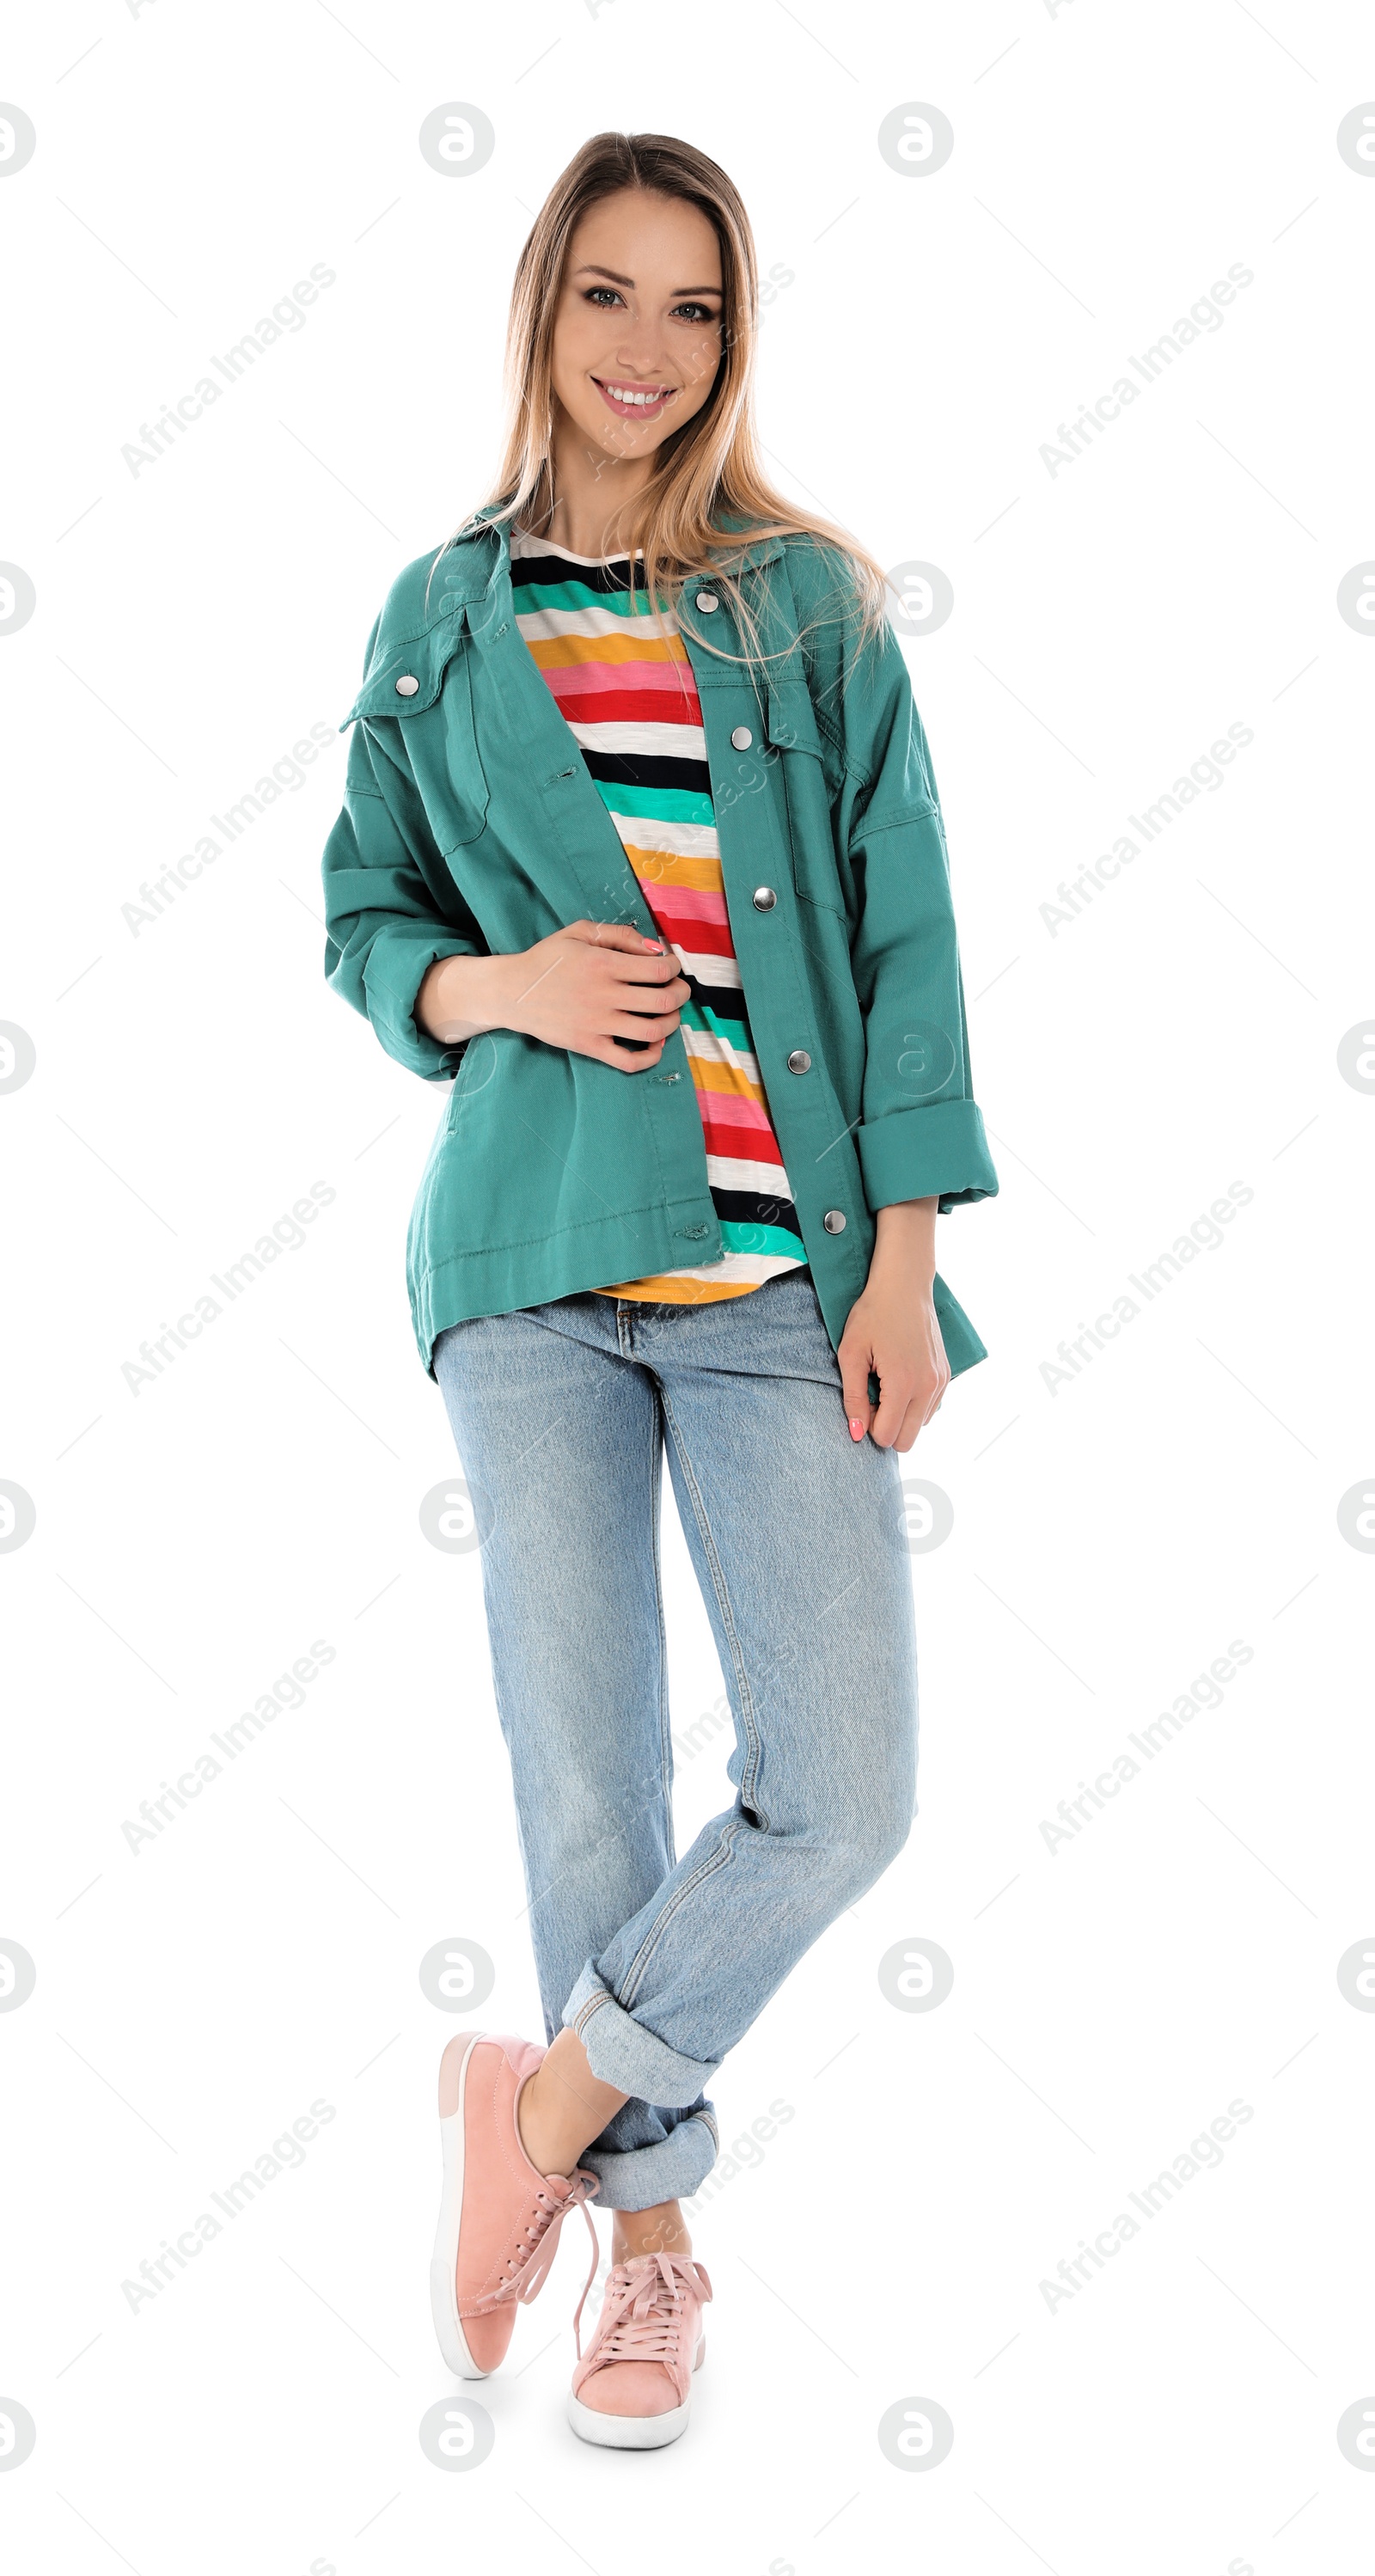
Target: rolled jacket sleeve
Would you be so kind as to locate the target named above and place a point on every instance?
(391, 906)
(921, 1134)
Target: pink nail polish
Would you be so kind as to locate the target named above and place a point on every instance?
(856, 1428)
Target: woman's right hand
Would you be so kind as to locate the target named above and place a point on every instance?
(582, 988)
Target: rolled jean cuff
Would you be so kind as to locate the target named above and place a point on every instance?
(622, 2052)
(642, 2177)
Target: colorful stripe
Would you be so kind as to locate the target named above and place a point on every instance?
(628, 695)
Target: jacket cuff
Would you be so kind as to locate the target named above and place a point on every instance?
(398, 963)
(934, 1153)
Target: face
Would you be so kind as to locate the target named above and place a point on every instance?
(637, 337)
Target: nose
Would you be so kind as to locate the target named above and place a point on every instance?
(639, 349)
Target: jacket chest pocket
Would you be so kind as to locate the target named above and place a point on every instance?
(794, 746)
(425, 685)
(441, 738)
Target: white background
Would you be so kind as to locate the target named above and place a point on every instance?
(1110, 1539)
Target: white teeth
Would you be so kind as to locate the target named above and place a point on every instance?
(628, 394)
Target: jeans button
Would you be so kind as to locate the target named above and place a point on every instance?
(834, 1221)
(706, 601)
(741, 738)
(764, 898)
(799, 1061)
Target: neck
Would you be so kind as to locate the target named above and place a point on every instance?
(594, 493)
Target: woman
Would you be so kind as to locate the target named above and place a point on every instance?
(641, 846)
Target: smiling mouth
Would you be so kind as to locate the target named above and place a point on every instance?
(634, 402)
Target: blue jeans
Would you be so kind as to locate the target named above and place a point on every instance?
(561, 1413)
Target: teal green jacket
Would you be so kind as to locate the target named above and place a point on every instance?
(471, 826)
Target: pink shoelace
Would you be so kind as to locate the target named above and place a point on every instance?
(642, 2312)
(538, 2241)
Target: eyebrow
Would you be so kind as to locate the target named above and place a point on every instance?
(591, 268)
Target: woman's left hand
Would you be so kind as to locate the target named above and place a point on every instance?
(892, 1331)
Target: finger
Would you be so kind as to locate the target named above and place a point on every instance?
(896, 1393)
(620, 968)
(855, 1360)
(651, 1026)
(642, 1061)
(612, 934)
(658, 970)
(938, 1396)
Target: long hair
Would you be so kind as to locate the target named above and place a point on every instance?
(710, 468)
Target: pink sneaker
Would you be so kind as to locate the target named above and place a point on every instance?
(633, 2385)
(499, 2217)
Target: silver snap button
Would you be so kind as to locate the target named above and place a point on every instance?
(742, 738)
(407, 686)
(764, 898)
(799, 1061)
(706, 601)
(834, 1221)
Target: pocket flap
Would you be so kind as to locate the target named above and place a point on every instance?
(790, 719)
(404, 677)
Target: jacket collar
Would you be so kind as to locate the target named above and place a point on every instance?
(480, 574)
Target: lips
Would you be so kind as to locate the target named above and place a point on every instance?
(633, 410)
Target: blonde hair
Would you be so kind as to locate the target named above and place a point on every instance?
(709, 467)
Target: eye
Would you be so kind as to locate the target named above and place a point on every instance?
(696, 312)
(591, 292)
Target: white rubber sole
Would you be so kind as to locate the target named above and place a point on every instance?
(444, 2260)
(633, 2432)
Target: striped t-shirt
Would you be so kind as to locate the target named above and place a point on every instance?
(629, 697)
